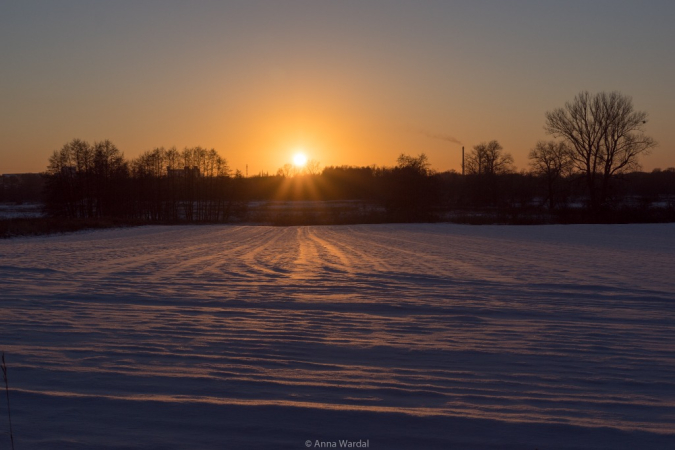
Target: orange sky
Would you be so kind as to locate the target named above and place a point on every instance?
(350, 82)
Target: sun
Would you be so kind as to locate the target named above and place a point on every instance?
(299, 159)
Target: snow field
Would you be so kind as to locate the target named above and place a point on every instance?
(410, 336)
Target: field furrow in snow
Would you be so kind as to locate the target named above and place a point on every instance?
(411, 336)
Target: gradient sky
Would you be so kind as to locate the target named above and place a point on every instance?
(351, 82)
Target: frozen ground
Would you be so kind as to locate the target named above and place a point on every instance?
(407, 336)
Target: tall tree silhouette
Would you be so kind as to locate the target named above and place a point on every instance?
(552, 162)
(484, 164)
(488, 159)
(606, 136)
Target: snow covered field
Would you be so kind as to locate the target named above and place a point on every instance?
(398, 336)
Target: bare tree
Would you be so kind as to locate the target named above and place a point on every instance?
(553, 162)
(408, 191)
(419, 163)
(605, 135)
(287, 170)
(110, 170)
(488, 159)
(313, 167)
(72, 169)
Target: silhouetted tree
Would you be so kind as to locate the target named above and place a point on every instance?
(69, 176)
(313, 167)
(287, 170)
(419, 164)
(484, 166)
(148, 172)
(552, 161)
(349, 183)
(195, 185)
(110, 175)
(488, 159)
(408, 191)
(606, 137)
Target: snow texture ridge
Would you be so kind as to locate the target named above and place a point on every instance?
(409, 336)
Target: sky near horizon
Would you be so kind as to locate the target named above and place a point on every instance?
(350, 82)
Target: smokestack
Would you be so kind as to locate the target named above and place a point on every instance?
(462, 160)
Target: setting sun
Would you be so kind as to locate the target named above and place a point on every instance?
(299, 159)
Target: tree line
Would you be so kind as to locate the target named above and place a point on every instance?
(95, 180)
(592, 163)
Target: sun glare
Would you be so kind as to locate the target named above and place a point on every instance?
(299, 159)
